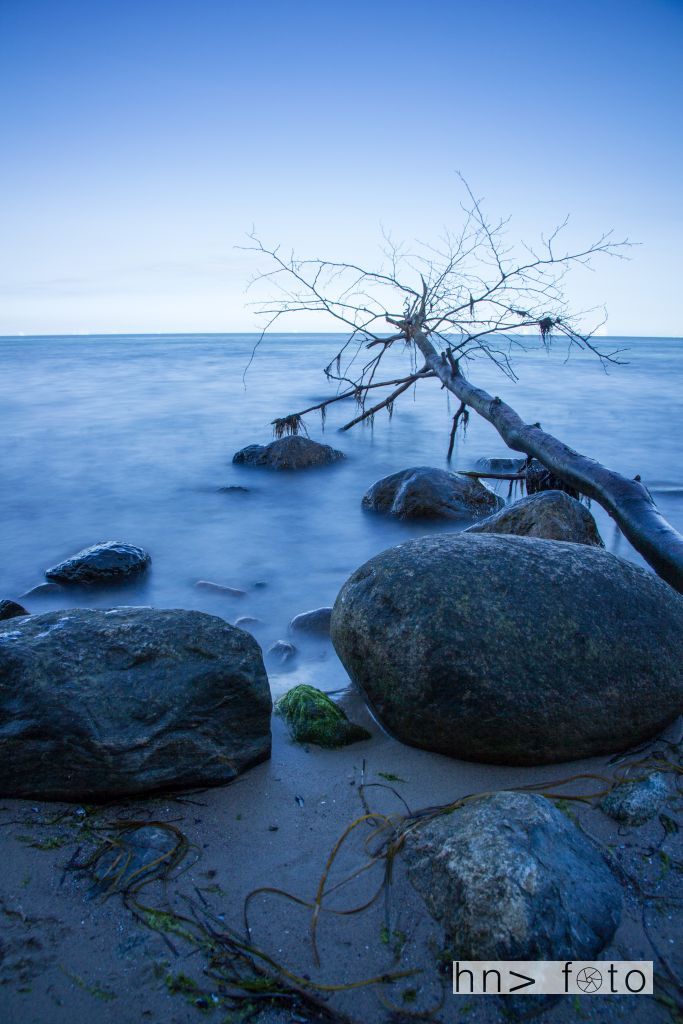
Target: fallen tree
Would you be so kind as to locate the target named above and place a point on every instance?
(470, 297)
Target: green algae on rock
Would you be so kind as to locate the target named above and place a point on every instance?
(313, 718)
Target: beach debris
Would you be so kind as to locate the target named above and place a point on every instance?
(11, 610)
(550, 515)
(313, 718)
(294, 452)
(316, 621)
(219, 588)
(426, 493)
(511, 878)
(512, 650)
(126, 701)
(106, 563)
(636, 802)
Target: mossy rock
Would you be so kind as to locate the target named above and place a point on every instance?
(313, 718)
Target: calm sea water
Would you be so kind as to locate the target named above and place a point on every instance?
(131, 438)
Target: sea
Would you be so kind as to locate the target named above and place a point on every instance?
(131, 438)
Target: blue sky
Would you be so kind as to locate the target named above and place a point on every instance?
(141, 140)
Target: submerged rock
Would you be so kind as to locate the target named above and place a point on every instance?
(313, 718)
(501, 465)
(550, 515)
(426, 493)
(111, 562)
(282, 652)
(294, 452)
(102, 704)
(220, 588)
(45, 590)
(512, 878)
(512, 650)
(11, 610)
(316, 621)
(636, 802)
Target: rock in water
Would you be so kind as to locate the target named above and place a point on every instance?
(313, 717)
(550, 515)
(512, 650)
(102, 704)
(316, 621)
(111, 562)
(538, 479)
(294, 452)
(11, 610)
(426, 493)
(511, 878)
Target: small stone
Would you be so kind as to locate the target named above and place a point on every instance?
(219, 588)
(11, 610)
(634, 803)
(45, 590)
(246, 620)
(316, 621)
(282, 651)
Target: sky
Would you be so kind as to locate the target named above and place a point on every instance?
(141, 142)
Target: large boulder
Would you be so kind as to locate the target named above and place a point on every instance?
(511, 878)
(551, 515)
(102, 704)
(294, 452)
(111, 562)
(512, 650)
(426, 493)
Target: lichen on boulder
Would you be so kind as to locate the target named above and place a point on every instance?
(312, 717)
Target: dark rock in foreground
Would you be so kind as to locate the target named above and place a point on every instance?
(550, 515)
(11, 610)
(288, 453)
(312, 717)
(511, 878)
(512, 650)
(111, 562)
(634, 803)
(316, 621)
(102, 704)
(426, 493)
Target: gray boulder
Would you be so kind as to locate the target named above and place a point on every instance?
(294, 452)
(550, 515)
(111, 562)
(102, 704)
(11, 610)
(316, 621)
(512, 650)
(634, 803)
(511, 878)
(426, 493)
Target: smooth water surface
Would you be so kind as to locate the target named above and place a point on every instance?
(131, 438)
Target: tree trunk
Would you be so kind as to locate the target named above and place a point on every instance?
(627, 501)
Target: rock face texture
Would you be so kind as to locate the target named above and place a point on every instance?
(426, 493)
(512, 650)
(288, 453)
(634, 803)
(550, 515)
(102, 704)
(10, 610)
(111, 562)
(511, 878)
(316, 622)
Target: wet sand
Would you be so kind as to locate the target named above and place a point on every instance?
(69, 955)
